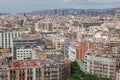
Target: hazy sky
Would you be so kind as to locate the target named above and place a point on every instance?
(15, 6)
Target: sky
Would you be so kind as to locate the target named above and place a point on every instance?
(18, 6)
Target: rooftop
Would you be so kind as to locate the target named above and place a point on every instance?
(34, 63)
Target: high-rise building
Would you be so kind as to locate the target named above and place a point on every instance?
(55, 11)
(63, 13)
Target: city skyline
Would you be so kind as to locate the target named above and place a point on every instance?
(15, 6)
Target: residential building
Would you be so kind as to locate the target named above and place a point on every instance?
(26, 53)
(118, 75)
(25, 42)
(48, 69)
(102, 65)
(78, 49)
(7, 37)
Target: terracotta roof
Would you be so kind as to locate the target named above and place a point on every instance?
(23, 64)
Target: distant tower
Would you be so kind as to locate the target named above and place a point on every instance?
(55, 11)
(83, 11)
(25, 15)
(73, 12)
(70, 12)
(63, 13)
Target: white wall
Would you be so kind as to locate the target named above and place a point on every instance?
(25, 54)
(72, 56)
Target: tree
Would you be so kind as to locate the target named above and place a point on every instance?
(102, 78)
(74, 77)
(90, 77)
(75, 68)
(75, 71)
(77, 74)
(8, 58)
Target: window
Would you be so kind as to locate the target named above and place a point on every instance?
(72, 52)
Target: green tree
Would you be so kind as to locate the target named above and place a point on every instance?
(8, 58)
(102, 78)
(76, 74)
(90, 77)
(75, 68)
(75, 71)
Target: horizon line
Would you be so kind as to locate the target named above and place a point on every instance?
(58, 9)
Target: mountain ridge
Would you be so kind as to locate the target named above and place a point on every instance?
(72, 10)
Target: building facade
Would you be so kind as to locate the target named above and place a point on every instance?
(25, 54)
(36, 70)
(101, 65)
(7, 37)
(25, 43)
(78, 49)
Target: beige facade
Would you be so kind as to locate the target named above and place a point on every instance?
(102, 65)
(36, 70)
(118, 75)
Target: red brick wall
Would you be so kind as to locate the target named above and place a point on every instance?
(80, 52)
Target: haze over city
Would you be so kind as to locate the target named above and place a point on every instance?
(16, 6)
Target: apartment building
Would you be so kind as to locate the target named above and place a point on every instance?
(115, 45)
(26, 53)
(7, 37)
(44, 26)
(102, 65)
(36, 70)
(25, 42)
(78, 49)
(4, 70)
(118, 75)
(58, 41)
